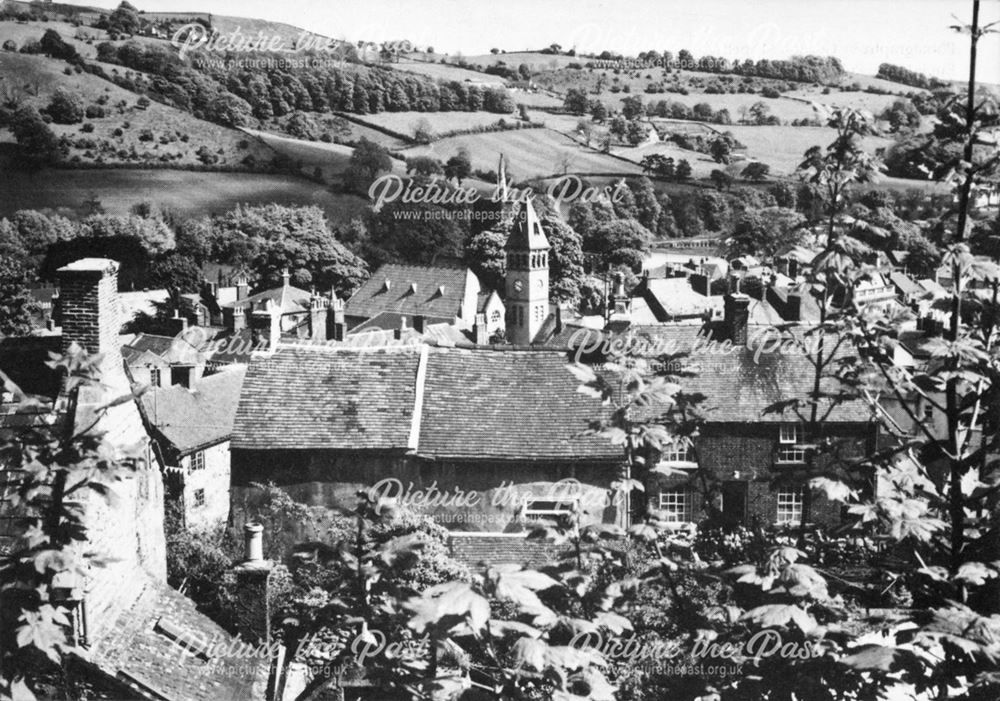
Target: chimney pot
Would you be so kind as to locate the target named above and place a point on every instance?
(253, 539)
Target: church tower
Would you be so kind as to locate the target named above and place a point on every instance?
(527, 277)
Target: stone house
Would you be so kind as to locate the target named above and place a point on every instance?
(191, 428)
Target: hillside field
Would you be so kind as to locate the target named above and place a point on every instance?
(157, 133)
(186, 194)
(531, 153)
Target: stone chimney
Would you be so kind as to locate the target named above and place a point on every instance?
(286, 278)
(480, 334)
(89, 310)
(265, 323)
(251, 599)
(234, 318)
(559, 318)
(737, 317)
(700, 284)
(336, 324)
(793, 310)
(177, 323)
(318, 310)
(242, 287)
(398, 333)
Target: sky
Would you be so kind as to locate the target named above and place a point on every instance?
(862, 33)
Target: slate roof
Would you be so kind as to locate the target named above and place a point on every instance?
(507, 404)
(198, 417)
(670, 297)
(906, 286)
(142, 648)
(287, 298)
(174, 350)
(486, 404)
(322, 397)
(739, 386)
(432, 291)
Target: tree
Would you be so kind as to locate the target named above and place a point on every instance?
(619, 242)
(230, 110)
(459, 166)
(721, 149)
(683, 171)
(368, 161)
(65, 107)
(414, 233)
(424, 166)
(37, 145)
(721, 179)
(125, 19)
(153, 234)
(598, 112)
(637, 132)
(902, 116)
(647, 205)
(175, 272)
(268, 239)
(422, 132)
(585, 129)
(15, 303)
(760, 112)
(761, 233)
(632, 107)
(486, 254)
(575, 101)
(756, 171)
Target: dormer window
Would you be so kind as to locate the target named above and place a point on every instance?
(387, 285)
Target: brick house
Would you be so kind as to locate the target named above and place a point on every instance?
(191, 428)
(134, 636)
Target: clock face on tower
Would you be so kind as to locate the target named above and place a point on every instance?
(518, 286)
(540, 283)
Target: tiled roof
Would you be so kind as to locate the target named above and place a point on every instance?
(390, 321)
(905, 284)
(287, 298)
(486, 404)
(669, 297)
(432, 291)
(143, 648)
(322, 397)
(197, 417)
(473, 404)
(507, 404)
(739, 386)
(175, 350)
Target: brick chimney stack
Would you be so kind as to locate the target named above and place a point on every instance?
(242, 287)
(251, 599)
(89, 310)
(737, 317)
(265, 323)
(319, 309)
